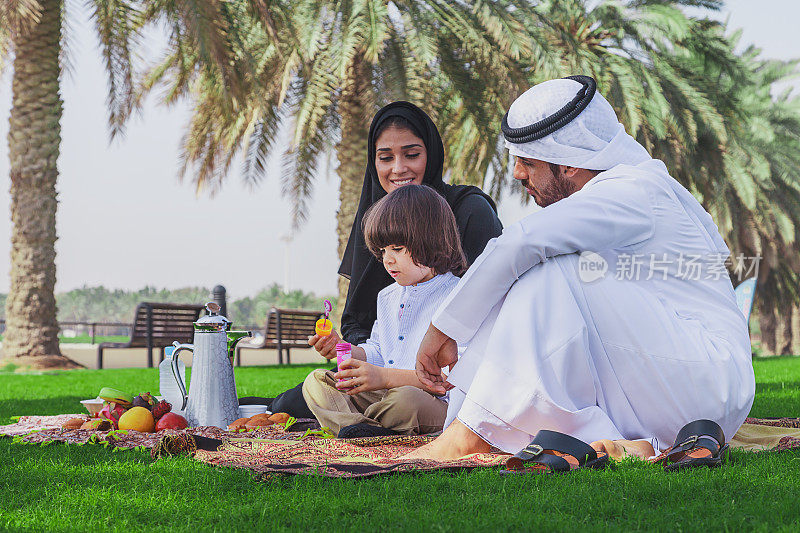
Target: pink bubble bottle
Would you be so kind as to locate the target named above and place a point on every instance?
(343, 353)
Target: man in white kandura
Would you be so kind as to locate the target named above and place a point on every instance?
(608, 315)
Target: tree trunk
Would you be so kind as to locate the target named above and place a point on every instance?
(769, 324)
(795, 331)
(351, 153)
(787, 336)
(31, 337)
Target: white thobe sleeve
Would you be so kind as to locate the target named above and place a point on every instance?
(372, 346)
(609, 214)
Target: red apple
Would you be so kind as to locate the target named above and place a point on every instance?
(171, 421)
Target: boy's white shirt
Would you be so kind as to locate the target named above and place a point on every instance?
(404, 314)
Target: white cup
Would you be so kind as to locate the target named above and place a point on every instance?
(246, 411)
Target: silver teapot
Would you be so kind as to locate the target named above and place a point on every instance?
(212, 400)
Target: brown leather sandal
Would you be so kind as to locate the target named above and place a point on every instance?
(699, 443)
(558, 452)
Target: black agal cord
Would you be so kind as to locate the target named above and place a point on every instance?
(554, 122)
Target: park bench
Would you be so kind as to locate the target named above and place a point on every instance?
(157, 325)
(285, 329)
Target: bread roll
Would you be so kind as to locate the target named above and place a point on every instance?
(279, 418)
(97, 424)
(238, 424)
(258, 421)
(73, 423)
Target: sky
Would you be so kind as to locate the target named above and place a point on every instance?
(126, 221)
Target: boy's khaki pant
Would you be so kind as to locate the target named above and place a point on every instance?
(407, 409)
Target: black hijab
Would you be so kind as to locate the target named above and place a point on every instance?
(367, 275)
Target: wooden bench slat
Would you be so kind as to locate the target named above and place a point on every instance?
(182, 319)
(168, 322)
(156, 320)
(162, 325)
(167, 325)
(295, 328)
(294, 325)
(186, 327)
(290, 327)
(167, 312)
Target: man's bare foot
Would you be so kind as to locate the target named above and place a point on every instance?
(618, 449)
(456, 441)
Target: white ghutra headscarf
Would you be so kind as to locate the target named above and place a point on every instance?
(593, 140)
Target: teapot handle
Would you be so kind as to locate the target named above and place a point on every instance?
(176, 374)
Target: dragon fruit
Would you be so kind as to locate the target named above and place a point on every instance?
(111, 412)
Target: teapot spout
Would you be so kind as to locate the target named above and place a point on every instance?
(233, 339)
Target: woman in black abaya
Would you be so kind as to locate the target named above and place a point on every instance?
(391, 165)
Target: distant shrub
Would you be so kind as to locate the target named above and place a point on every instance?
(99, 304)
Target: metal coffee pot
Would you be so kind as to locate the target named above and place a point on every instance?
(212, 400)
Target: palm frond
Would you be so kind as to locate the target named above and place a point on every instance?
(118, 24)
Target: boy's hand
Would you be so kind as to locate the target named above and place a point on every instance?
(363, 377)
(326, 346)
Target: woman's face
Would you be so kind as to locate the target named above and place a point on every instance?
(400, 158)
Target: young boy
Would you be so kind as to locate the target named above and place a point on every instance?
(414, 233)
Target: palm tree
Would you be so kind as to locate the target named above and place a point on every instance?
(31, 327)
(758, 205)
(708, 114)
(31, 31)
(673, 79)
(339, 63)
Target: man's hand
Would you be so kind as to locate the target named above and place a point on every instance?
(326, 346)
(436, 351)
(363, 377)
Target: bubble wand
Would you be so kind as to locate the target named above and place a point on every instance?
(324, 326)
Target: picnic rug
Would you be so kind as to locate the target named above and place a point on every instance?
(274, 450)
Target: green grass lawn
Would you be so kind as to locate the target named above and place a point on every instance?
(70, 488)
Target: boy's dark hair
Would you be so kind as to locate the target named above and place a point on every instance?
(417, 217)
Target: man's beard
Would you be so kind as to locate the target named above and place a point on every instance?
(558, 188)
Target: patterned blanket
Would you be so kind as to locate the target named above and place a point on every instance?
(337, 457)
(767, 434)
(40, 429)
(273, 450)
